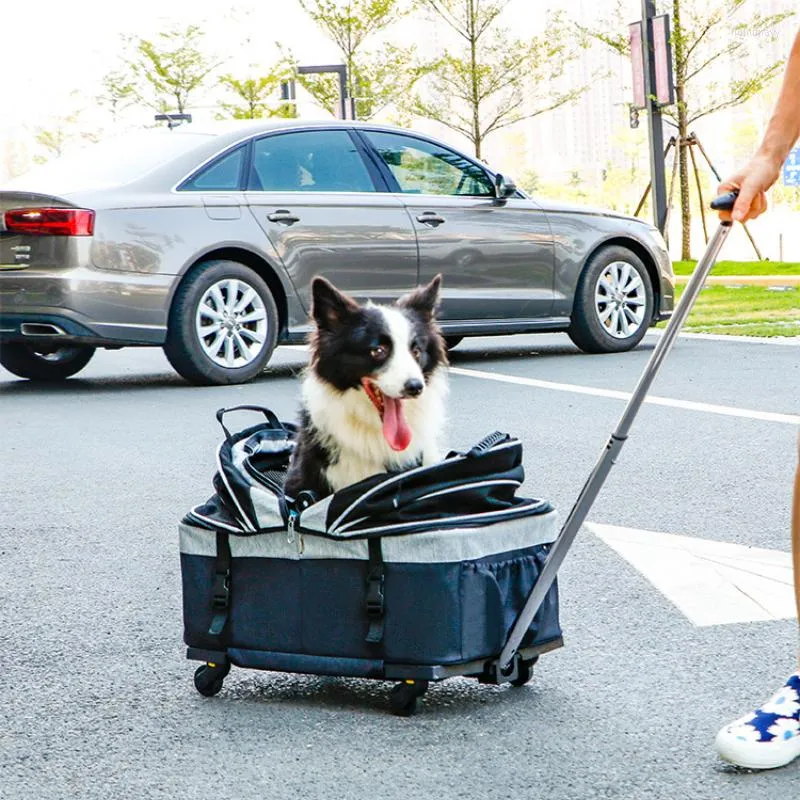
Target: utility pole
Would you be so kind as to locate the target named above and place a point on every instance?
(657, 169)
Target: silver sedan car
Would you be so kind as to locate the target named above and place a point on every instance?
(204, 241)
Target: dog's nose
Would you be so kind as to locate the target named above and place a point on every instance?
(413, 388)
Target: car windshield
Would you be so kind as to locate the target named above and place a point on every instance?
(112, 162)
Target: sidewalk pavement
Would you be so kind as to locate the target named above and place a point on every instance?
(747, 280)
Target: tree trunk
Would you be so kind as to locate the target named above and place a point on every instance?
(683, 171)
(473, 66)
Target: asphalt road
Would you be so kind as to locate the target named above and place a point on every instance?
(98, 699)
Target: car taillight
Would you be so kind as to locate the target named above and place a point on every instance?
(50, 221)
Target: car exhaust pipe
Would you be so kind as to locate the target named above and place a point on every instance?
(41, 329)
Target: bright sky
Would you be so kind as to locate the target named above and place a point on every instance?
(53, 48)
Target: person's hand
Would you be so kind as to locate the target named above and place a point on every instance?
(752, 182)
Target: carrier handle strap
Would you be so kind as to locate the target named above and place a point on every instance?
(375, 591)
(271, 418)
(221, 592)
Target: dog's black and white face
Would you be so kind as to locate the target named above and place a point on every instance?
(373, 397)
(388, 352)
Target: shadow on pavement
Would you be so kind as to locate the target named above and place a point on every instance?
(456, 696)
(125, 383)
(170, 380)
(461, 357)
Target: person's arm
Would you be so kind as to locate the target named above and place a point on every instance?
(782, 132)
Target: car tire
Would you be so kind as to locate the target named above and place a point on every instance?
(613, 302)
(240, 330)
(453, 341)
(39, 363)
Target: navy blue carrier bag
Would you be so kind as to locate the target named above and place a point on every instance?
(411, 576)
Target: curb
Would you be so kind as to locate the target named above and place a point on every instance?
(747, 280)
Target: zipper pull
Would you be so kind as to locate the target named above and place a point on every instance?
(290, 527)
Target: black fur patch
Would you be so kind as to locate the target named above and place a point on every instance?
(309, 462)
(420, 307)
(342, 356)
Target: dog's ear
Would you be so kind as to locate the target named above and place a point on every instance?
(424, 300)
(330, 308)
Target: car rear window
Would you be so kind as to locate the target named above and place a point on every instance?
(223, 174)
(112, 162)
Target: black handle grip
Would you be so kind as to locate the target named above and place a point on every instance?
(487, 443)
(725, 201)
(271, 418)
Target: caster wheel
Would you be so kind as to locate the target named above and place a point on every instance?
(208, 678)
(403, 699)
(524, 672)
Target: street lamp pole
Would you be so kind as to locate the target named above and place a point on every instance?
(657, 168)
(341, 71)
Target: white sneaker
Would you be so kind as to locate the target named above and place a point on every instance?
(769, 737)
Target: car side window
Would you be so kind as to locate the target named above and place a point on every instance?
(222, 175)
(422, 167)
(308, 161)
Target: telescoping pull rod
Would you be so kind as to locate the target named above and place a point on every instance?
(610, 452)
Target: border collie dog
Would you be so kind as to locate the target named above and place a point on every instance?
(373, 394)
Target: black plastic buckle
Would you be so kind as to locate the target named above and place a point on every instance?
(220, 597)
(375, 597)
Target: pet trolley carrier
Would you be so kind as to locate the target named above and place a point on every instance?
(415, 576)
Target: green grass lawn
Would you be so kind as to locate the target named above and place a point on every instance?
(745, 311)
(742, 268)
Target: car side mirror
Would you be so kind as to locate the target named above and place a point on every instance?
(503, 187)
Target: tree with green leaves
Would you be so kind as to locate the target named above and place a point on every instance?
(377, 76)
(166, 70)
(255, 96)
(53, 140)
(491, 79)
(705, 35)
(119, 92)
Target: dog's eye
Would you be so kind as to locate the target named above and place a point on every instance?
(379, 353)
(416, 352)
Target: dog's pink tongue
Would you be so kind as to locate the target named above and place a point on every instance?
(395, 428)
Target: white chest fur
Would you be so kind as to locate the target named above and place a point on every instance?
(350, 429)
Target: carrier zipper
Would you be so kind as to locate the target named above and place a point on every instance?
(294, 534)
(472, 521)
(401, 529)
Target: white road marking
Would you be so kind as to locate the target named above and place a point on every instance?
(614, 394)
(711, 583)
(690, 405)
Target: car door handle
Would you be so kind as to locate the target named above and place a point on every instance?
(430, 218)
(283, 215)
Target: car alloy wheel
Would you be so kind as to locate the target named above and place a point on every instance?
(620, 300)
(614, 302)
(223, 324)
(231, 323)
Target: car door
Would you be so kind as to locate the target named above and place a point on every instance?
(315, 197)
(496, 257)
